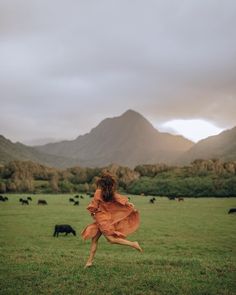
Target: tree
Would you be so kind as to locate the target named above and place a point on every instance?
(54, 183)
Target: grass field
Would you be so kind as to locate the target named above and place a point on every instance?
(189, 248)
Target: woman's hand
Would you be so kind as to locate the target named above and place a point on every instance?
(93, 215)
(132, 206)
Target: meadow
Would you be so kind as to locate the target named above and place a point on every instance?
(189, 248)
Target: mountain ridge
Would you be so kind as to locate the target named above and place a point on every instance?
(127, 140)
(221, 146)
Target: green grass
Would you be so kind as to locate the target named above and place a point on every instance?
(189, 248)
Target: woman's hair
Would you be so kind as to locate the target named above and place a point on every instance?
(107, 184)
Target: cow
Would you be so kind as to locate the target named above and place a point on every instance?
(81, 197)
(76, 197)
(24, 202)
(20, 200)
(42, 202)
(171, 198)
(232, 210)
(71, 200)
(180, 199)
(63, 228)
(76, 203)
(152, 201)
(2, 199)
(29, 198)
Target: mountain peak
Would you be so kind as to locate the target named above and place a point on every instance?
(133, 117)
(132, 114)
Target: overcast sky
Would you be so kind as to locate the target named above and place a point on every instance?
(66, 65)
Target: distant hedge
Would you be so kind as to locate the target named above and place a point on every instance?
(203, 178)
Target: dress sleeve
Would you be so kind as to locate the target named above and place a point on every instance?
(93, 205)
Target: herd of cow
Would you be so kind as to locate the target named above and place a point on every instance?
(76, 203)
(75, 200)
(29, 199)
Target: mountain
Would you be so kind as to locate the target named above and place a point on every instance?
(221, 146)
(17, 151)
(127, 140)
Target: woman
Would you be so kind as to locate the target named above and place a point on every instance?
(114, 217)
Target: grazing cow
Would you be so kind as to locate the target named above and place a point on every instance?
(24, 202)
(171, 198)
(76, 203)
(232, 210)
(6, 198)
(2, 199)
(81, 197)
(180, 199)
(20, 200)
(63, 228)
(76, 197)
(152, 201)
(42, 202)
(71, 200)
(29, 198)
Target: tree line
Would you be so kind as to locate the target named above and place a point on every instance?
(202, 178)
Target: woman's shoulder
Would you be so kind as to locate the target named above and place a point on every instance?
(120, 198)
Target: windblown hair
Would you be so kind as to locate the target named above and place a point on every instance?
(107, 184)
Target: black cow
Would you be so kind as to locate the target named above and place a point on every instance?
(171, 198)
(152, 201)
(2, 199)
(76, 203)
(63, 228)
(20, 200)
(29, 198)
(76, 197)
(232, 210)
(42, 202)
(71, 200)
(81, 197)
(24, 202)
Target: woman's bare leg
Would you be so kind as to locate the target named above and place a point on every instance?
(93, 249)
(120, 241)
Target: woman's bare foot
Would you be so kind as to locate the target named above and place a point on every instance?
(88, 264)
(137, 247)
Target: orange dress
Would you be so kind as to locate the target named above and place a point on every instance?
(116, 218)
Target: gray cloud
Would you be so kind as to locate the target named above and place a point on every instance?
(67, 65)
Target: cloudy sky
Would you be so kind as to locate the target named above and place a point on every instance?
(66, 65)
